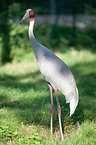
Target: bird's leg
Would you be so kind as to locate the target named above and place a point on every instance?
(52, 107)
(59, 113)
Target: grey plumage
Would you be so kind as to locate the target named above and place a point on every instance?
(55, 72)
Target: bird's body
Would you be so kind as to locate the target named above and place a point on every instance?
(55, 72)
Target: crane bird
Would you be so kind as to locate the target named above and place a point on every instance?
(55, 72)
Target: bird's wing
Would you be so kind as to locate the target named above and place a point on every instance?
(57, 73)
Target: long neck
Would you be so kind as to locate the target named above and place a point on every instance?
(33, 41)
(37, 47)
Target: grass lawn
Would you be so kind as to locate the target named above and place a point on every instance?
(25, 101)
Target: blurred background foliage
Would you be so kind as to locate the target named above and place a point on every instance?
(14, 36)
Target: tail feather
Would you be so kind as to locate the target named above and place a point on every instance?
(72, 98)
(74, 102)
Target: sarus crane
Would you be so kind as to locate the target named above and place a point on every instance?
(55, 72)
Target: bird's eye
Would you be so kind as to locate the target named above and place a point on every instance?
(31, 13)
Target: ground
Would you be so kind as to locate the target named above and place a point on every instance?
(25, 101)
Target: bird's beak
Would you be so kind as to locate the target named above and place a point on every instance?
(25, 16)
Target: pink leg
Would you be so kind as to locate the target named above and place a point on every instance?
(59, 113)
(52, 107)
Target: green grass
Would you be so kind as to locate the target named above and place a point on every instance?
(25, 102)
(25, 98)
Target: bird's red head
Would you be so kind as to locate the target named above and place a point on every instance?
(29, 13)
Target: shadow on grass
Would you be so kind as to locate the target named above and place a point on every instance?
(38, 111)
(17, 81)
